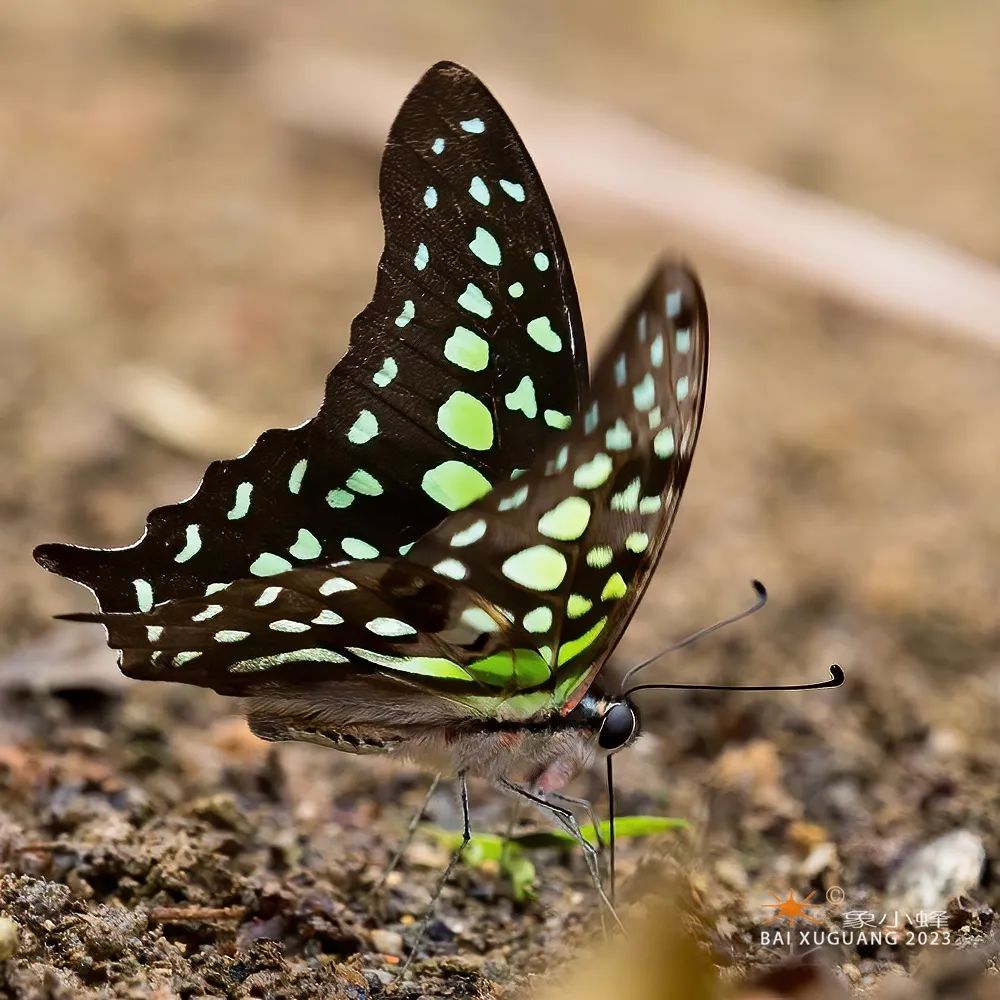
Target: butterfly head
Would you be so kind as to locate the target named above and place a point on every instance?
(616, 720)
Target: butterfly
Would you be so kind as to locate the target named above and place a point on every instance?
(440, 563)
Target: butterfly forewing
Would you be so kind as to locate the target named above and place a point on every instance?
(469, 355)
(568, 548)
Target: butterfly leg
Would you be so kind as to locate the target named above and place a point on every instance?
(569, 823)
(408, 836)
(445, 875)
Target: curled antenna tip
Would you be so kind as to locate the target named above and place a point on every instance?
(837, 675)
(760, 589)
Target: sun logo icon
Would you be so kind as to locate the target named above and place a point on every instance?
(791, 909)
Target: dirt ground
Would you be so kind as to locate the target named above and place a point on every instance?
(159, 220)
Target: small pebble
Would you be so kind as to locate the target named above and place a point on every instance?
(9, 939)
(937, 872)
(387, 942)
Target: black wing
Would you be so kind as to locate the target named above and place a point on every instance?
(469, 354)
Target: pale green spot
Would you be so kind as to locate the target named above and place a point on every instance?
(644, 394)
(454, 484)
(291, 656)
(231, 635)
(650, 505)
(424, 666)
(474, 125)
(682, 340)
(451, 568)
(539, 567)
(578, 605)
(614, 589)
(404, 549)
(538, 620)
(619, 437)
(364, 483)
(467, 350)
(210, 612)
(267, 596)
(431, 197)
(186, 657)
(421, 257)
(525, 667)
(590, 418)
(306, 545)
(594, 473)
(241, 506)
(567, 521)
(655, 418)
(143, 594)
(545, 652)
(516, 290)
(513, 190)
(485, 247)
(364, 428)
(479, 191)
(336, 585)
(358, 549)
(474, 300)
(628, 500)
(600, 556)
(386, 373)
(406, 314)
(153, 632)
(673, 303)
(267, 564)
(327, 617)
(390, 628)
(467, 421)
(468, 535)
(663, 443)
(296, 475)
(287, 625)
(338, 499)
(214, 588)
(637, 542)
(514, 501)
(561, 459)
(656, 351)
(479, 619)
(576, 646)
(541, 332)
(192, 545)
(437, 146)
(523, 398)
(682, 388)
(541, 261)
(558, 421)
(621, 370)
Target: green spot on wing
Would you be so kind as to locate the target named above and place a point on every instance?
(424, 666)
(241, 505)
(594, 473)
(356, 548)
(557, 420)
(541, 332)
(474, 301)
(467, 421)
(364, 483)
(576, 646)
(267, 564)
(523, 398)
(454, 484)
(539, 567)
(364, 428)
(295, 476)
(386, 373)
(192, 544)
(467, 350)
(338, 499)
(485, 247)
(567, 521)
(513, 190)
(143, 594)
(306, 545)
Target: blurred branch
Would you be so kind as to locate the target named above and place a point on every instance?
(598, 160)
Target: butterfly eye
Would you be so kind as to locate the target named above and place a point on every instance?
(619, 726)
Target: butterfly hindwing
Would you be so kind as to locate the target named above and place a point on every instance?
(567, 549)
(468, 356)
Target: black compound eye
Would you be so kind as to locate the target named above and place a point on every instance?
(617, 727)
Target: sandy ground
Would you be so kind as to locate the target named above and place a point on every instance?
(158, 219)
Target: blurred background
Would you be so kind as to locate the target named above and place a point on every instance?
(188, 223)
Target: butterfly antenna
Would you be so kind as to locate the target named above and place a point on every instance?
(759, 601)
(836, 679)
(611, 827)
